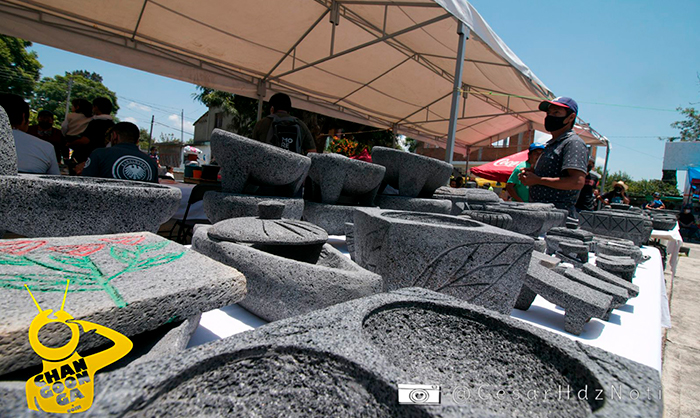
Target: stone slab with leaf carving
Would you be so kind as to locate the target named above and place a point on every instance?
(130, 283)
(460, 257)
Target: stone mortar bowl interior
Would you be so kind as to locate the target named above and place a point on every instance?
(57, 206)
(346, 360)
(412, 174)
(333, 175)
(246, 162)
(531, 219)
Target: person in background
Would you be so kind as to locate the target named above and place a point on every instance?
(44, 130)
(154, 154)
(123, 160)
(687, 224)
(453, 183)
(94, 135)
(587, 197)
(560, 172)
(616, 195)
(77, 120)
(33, 155)
(514, 187)
(281, 129)
(656, 202)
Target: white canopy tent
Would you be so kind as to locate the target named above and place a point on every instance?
(388, 64)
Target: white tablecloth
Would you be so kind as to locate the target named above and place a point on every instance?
(633, 331)
(196, 210)
(674, 241)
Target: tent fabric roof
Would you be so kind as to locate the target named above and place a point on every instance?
(388, 64)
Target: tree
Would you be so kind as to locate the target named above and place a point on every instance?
(19, 68)
(243, 110)
(51, 92)
(144, 139)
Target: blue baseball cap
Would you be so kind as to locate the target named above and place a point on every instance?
(566, 102)
(536, 146)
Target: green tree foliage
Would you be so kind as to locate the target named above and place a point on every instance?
(144, 139)
(19, 68)
(638, 187)
(243, 110)
(51, 92)
(689, 128)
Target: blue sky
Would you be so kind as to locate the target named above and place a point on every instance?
(629, 64)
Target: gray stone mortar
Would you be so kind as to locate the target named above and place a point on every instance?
(411, 174)
(59, 206)
(530, 220)
(460, 257)
(332, 218)
(624, 267)
(414, 204)
(614, 248)
(601, 274)
(618, 224)
(8, 153)
(219, 206)
(247, 163)
(333, 174)
(466, 199)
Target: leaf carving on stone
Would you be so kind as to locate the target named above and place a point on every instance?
(471, 265)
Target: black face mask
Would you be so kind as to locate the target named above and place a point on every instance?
(554, 123)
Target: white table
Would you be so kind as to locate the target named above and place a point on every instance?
(674, 241)
(633, 331)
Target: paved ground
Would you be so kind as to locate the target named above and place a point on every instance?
(681, 357)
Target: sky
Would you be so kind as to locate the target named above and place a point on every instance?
(628, 63)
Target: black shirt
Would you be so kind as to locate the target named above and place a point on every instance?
(95, 132)
(122, 161)
(586, 200)
(567, 152)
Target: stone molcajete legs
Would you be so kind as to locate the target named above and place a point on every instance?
(347, 360)
(452, 255)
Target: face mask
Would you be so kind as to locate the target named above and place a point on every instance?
(45, 125)
(553, 123)
(687, 211)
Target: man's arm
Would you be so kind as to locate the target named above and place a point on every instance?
(510, 188)
(574, 180)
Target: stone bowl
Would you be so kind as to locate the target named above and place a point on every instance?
(466, 199)
(246, 162)
(531, 219)
(219, 206)
(281, 286)
(412, 174)
(59, 206)
(347, 360)
(454, 255)
(333, 174)
(414, 204)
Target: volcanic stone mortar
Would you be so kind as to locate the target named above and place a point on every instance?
(59, 206)
(8, 153)
(130, 283)
(219, 206)
(466, 199)
(347, 360)
(333, 174)
(285, 275)
(412, 174)
(618, 224)
(246, 162)
(414, 204)
(531, 219)
(331, 218)
(460, 257)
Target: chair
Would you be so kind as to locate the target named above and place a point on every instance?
(185, 227)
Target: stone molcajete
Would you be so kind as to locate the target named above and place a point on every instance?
(288, 265)
(415, 177)
(53, 206)
(618, 224)
(336, 185)
(252, 172)
(460, 257)
(346, 360)
(533, 219)
(130, 283)
(467, 199)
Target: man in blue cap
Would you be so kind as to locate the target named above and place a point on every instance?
(514, 187)
(560, 172)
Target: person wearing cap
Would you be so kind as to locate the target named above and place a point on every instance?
(560, 172)
(514, 187)
(616, 195)
(656, 202)
(587, 197)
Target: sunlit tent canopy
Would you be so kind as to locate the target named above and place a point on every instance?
(388, 64)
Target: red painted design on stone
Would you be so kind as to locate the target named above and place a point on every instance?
(20, 247)
(78, 250)
(130, 240)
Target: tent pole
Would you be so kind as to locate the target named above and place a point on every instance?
(463, 33)
(605, 170)
(261, 95)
